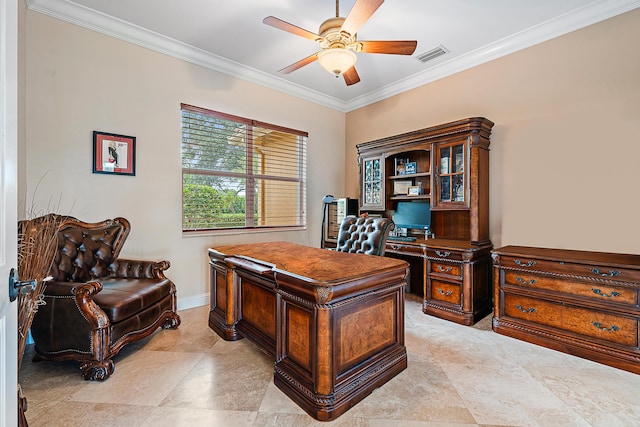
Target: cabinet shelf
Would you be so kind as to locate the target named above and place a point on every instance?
(409, 176)
(419, 197)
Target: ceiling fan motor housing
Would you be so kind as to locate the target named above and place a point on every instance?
(331, 25)
(332, 38)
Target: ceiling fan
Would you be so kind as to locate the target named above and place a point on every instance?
(337, 38)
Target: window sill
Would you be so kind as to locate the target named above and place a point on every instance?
(239, 231)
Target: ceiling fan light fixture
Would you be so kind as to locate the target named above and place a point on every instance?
(337, 60)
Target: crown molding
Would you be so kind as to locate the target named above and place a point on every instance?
(76, 14)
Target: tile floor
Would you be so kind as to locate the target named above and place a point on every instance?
(457, 376)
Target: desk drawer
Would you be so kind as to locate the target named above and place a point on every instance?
(451, 270)
(605, 326)
(445, 291)
(443, 254)
(597, 291)
(575, 270)
(414, 250)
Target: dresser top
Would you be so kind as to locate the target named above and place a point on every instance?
(630, 261)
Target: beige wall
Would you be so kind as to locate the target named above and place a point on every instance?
(563, 159)
(564, 155)
(78, 81)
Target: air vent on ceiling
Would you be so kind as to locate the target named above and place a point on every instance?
(432, 54)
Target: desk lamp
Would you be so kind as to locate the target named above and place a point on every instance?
(326, 200)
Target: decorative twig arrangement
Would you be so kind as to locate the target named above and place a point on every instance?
(37, 241)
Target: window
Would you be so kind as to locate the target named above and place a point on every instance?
(238, 173)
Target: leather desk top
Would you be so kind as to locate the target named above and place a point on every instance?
(309, 263)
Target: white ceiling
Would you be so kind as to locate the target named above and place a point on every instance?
(229, 36)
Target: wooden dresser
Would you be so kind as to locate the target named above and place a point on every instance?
(578, 302)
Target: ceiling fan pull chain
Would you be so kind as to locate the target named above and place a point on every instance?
(337, 8)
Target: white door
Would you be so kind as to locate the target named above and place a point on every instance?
(8, 209)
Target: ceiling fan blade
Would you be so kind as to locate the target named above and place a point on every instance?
(305, 61)
(351, 76)
(290, 28)
(359, 14)
(395, 47)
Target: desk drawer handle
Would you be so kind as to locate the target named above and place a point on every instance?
(599, 292)
(522, 264)
(525, 282)
(443, 254)
(445, 270)
(525, 310)
(446, 294)
(613, 328)
(611, 273)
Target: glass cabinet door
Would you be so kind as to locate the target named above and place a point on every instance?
(450, 178)
(372, 184)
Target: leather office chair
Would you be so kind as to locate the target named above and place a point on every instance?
(364, 235)
(96, 303)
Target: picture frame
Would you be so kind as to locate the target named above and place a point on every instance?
(401, 187)
(411, 168)
(414, 190)
(400, 165)
(114, 154)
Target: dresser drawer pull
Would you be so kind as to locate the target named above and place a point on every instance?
(522, 264)
(443, 254)
(612, 273)
(525, 282)
(445, 270)
(446, 294)
(599, 292)
(613, 328)
(525, 310)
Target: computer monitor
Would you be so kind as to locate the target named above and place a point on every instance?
(412, 215)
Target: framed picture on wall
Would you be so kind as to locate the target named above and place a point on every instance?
(114, 154)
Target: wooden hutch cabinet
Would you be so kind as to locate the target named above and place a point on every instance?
(446, 169)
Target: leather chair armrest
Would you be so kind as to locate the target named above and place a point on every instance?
(83, 294)
(129, 268)
(64, 289)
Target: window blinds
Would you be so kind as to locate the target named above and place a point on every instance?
(241, 173)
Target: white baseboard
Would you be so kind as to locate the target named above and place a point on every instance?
(193, 302)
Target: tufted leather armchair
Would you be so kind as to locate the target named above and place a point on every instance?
(364, 235)
(96, 303)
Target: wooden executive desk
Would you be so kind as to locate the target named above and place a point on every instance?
(332, 321)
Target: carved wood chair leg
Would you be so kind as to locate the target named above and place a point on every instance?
(172, 321)
(97, 370)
